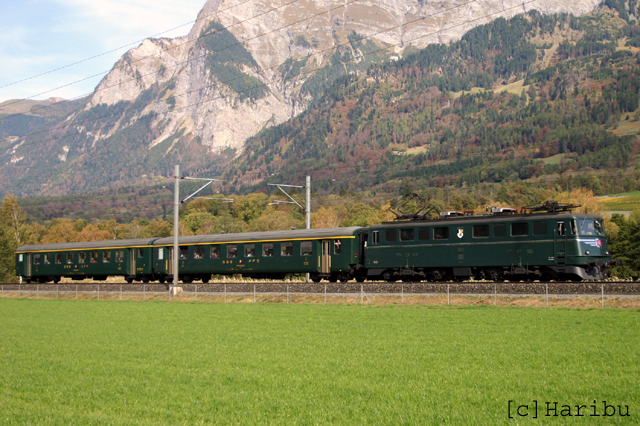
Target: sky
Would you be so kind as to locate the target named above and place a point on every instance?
(38, 36)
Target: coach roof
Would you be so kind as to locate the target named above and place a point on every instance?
(295, 234)
(88, 245)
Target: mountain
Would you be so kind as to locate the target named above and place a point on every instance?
(243, 68)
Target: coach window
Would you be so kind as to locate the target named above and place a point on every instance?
(215, 251)
(391, 235)
(119, 255)
(140, 252)
(198, 252)
(46, 258)
(94, 256)
(407, 234)
(36, 259)
(82, 257)
(286, 249)
(267, 249)
(106, 256)
(184, 252)
(375, 237)
(249, 250)
(337, 247)
(69, 258)
(519, 229)
(480, 231)
(232, 250)
(58, 258)
(500, 230)
(539, 228)
(423, 234)
(306, 248)
(441, 233)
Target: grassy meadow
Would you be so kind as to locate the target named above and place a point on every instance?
(94, 362)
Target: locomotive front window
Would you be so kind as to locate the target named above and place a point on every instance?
(391, 235)
(519, 229)
(306, 248)
(590, 227)
(232, 250)
(441, 233)
(539, 228)
(249, 250)
(286, 249)
(480, 231)
(215, 251)
(407, 234)
(423, 234)
(267, 249)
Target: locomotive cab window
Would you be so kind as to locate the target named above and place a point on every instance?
(407, 234)
(215, 251)
(267, 249)
(560, 229)
(441, 233)
(375, 237)
(286, 249)
(423, 234)
(519, 229)
(232, 250)
(249, 250)
(539, 228)
(306, 248)
(480, 231)
(590, 227)
(390, 235)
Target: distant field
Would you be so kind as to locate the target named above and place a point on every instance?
(628, 201)
(107, 362)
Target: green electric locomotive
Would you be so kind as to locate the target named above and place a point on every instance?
(502, 244)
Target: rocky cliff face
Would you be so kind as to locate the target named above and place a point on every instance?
(281, 46)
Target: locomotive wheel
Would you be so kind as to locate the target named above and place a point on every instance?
(360, 279)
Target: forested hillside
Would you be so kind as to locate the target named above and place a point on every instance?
(542, 97)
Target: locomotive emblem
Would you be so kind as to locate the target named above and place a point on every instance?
(460, 232)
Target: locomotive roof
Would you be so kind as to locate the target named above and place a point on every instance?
(453, 220)
(134, 242)
(294, 234)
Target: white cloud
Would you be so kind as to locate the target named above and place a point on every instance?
(41, 35)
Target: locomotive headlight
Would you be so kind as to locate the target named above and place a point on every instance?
(586, 252)
(607, 253)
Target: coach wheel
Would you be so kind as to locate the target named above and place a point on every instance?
(129, 279)
(187, 280)
(316, 278)
(205, 280)
(55, 280)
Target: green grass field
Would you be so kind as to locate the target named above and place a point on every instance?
(73, 362)
(622, 202)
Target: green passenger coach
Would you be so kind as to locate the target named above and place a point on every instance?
(323, 253)
(131, 259)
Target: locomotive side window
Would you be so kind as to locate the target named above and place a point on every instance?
(198, 252)
(286, 249)
(500, 230)
(267, 249)
(391, 235)
(441, 233)
(58, 258)
(539, 228)
(306, 248)
(375, 237)
(215, 251)
(560, 229)
(249, 250)
(423, 234)
(480, 231)
(407, 234)
(232, 250)
(519, 229)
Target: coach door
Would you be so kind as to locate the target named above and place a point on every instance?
(28, 259)
(132, 265)
(560, 242)
(326, 257)
(170, 268)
